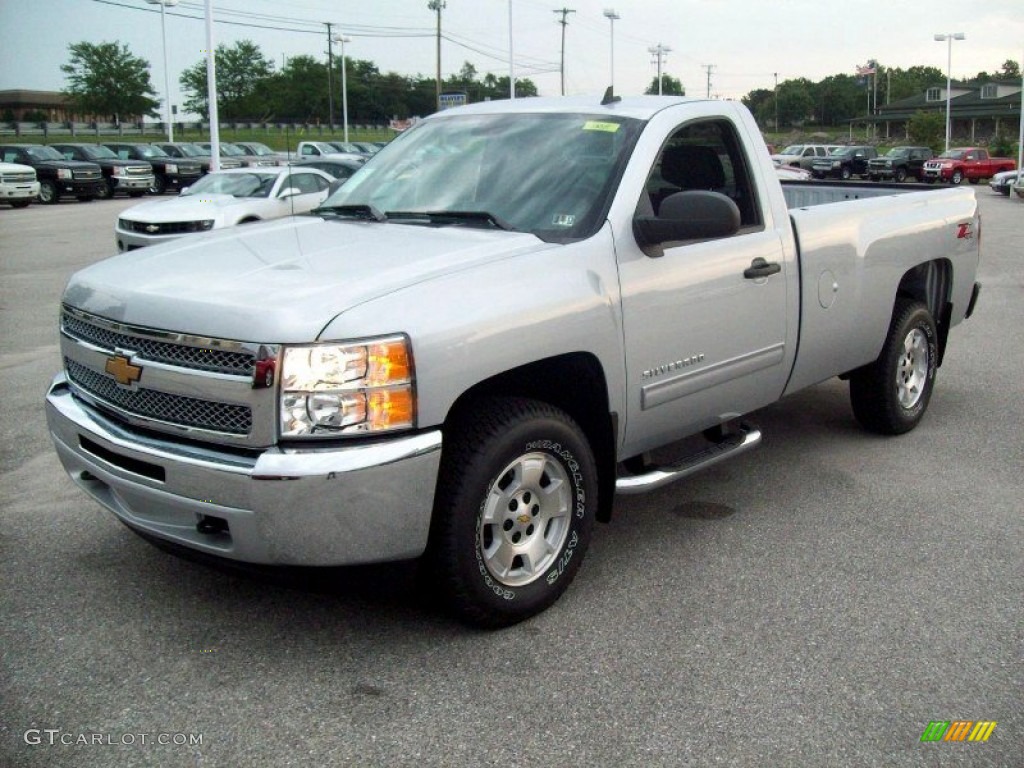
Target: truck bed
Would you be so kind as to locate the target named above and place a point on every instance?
(805, 194)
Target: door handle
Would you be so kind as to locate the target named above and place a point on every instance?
(761, 268)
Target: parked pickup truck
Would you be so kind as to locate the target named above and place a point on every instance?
(899, 163)
(18, 185)
(168, 172)
(57, 176)
(483, 335)
(971, 163)
(308, 149)
(132, 177)
(844, 162)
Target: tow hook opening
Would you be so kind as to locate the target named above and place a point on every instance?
(212, 525)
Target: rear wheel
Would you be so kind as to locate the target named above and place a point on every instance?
(513, 512)
(890, 395)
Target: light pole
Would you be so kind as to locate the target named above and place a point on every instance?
(330, 80)
(167, 77)
(612, 17)
(436, 6)
(948, 39)
(341, 40)
(776, 102)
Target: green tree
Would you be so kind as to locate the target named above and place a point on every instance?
(240, 70)
(928, 129)
(670, 86)
(1009, 71)
(796, 101)
(904, 83)
(838, 98)
(106, 79)
(298, 92)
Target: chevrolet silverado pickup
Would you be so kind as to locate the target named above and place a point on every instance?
(129, 176)
(18, 184)
(57, 176)
(470, 347)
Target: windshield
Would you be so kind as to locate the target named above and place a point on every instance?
(147, 150)
(953, 154)
(99, 153)
(191, 150)
(551, 175)
(794, 149)
(44, 153)
(230, 150)
(897, 152)
(260, 149)
(234, 184)
(841, 151)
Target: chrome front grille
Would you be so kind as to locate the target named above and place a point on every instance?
(139, 170)
(161, 406)
(181, 355)
(201, 388)
(87, 175)
(18, 177)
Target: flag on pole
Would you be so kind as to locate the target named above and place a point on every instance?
(865, 70)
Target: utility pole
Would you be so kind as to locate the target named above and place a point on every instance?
(612, 16)
(436, 6)
(776, 102)
(658, 51)
(330, 82)
(565, 12)
(709, 68)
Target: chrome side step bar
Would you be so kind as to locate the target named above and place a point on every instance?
(746, 437)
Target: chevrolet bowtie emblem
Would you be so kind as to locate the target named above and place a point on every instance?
(122, 370)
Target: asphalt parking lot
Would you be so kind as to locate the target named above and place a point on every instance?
(817, 602)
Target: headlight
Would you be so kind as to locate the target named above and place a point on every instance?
(340, 389)
(171, 168)
(63, 173)
(836, 163)
(888, 163)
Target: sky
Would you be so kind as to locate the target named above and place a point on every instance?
(743, 42)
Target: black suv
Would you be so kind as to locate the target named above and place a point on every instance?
(129, 176)
(844, 162)
(56, 175)
(900, 162)
(167, 171)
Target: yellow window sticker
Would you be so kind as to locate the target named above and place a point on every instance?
(597, 125)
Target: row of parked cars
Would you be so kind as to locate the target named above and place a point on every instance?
(46, 173)
(900, 163)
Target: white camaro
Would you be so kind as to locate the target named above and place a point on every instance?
(223, 199)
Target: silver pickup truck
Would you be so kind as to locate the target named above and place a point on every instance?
(480, 339)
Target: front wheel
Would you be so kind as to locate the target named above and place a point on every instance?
(846, 174)
(159, 185)
(890, 395)
(48, 192)
(901, 175)
(957, 176)
(106, 190)
(513, 512)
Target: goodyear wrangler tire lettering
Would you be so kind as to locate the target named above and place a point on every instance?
(513, 510)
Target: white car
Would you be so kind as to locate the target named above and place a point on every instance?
(791, 172)
(18, 184)
(1003, 181)
(223, 199)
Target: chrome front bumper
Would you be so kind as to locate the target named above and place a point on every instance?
(335, 506)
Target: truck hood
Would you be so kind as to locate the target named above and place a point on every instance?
(280, 281)
(184, 208)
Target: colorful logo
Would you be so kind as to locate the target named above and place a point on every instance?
(958, 730)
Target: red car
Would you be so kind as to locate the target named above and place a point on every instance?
(971, 163)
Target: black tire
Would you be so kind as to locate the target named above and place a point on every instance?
(890, 395)
(845, 174)
(957, 176)
(901, 175)
(159, 185)
(48, 192)
(106, 190)
(515, 474)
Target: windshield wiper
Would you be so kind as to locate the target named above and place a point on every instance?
(454, 217)
(367, 212)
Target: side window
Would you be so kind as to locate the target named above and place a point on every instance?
(304, 182)
(705, 155)
(9, 155)
(307, 150)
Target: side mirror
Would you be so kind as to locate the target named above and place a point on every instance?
(288, 192)
(688, 215)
